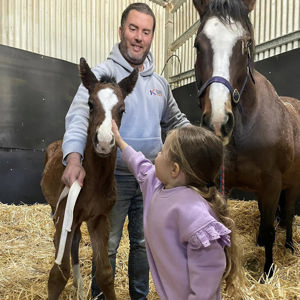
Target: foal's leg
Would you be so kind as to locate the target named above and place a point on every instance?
(60, 274)
(77, 278)
(99, 233)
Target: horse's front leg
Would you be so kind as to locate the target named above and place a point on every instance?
(290, 203)
(77, 278)
(99, 232)
(267, 202)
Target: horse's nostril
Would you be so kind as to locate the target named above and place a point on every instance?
(112, 142)
(95, 139)
(228, 126)
(205, 121)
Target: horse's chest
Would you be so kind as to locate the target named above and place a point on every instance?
(94, 202)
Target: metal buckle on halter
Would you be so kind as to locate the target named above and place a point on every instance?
(235, 96)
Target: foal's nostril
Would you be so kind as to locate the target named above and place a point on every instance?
(112, 142)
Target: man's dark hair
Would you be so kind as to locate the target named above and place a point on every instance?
(141, 7)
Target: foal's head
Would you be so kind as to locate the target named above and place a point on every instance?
(224, 45)
(106, 102)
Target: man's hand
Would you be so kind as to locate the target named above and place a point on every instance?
(74, 170)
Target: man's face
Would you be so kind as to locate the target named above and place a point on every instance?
(136, 37)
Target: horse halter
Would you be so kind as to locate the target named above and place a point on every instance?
(235, 94)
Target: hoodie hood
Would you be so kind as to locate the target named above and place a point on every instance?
(118, 58)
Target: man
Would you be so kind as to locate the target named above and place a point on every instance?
(150, 108)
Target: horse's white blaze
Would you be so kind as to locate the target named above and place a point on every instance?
(108, 100)
(222, 37)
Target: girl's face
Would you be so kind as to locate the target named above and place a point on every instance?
(163, 166)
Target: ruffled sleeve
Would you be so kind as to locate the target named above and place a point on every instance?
(211, 232)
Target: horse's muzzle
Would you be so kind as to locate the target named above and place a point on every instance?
(222, 129)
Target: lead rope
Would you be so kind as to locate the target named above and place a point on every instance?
(68, 218)
(222, 180)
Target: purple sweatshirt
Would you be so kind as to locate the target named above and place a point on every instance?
(184, 240)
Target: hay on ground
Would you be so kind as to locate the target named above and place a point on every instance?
(27, 255)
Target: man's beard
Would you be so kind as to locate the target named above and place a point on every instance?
(131, 58)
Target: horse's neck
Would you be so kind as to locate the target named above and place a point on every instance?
(246, 113)
(257, 96)
(99, 167)
(257, 102)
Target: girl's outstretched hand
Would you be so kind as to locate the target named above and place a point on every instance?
(119, 141)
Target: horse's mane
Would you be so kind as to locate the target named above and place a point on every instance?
(107, 79)
(228, 11)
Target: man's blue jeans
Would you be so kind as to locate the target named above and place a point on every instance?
(129, 202)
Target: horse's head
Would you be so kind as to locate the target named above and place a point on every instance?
(224, 45)
(106, 102)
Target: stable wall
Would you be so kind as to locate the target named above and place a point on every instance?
(35, 94)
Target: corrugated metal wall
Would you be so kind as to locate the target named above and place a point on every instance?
(70, 29)
(184, 33)
(276, 26)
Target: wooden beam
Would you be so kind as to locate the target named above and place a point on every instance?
(162, 3)
(176, 4)
(185, 36)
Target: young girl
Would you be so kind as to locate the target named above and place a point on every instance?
(186, 224)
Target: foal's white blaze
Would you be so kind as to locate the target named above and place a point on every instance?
(108, 100)
(223, 38)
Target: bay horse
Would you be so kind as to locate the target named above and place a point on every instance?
(98, 194)
(261, 130)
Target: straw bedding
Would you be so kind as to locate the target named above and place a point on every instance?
(27, 255)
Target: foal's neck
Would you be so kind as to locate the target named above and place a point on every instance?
(97, 165)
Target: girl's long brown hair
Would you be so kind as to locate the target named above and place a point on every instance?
(199, 154)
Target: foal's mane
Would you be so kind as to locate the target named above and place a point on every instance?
(107, 79)
(228, 11)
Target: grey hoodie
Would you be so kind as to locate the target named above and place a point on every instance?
(149, 109)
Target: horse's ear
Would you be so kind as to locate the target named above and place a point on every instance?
(87, 76)
(201, 6)
(127, 84)
(250, 4)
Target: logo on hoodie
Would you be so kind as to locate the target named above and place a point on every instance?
(156, 92)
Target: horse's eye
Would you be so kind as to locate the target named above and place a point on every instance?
(91, 106)
(197, 46)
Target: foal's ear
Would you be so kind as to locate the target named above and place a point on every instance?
(250, 4)
(201, 6)
(87, 76)
(127, 84)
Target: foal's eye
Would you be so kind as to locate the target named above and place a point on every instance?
(121, 111)
(91, 106)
